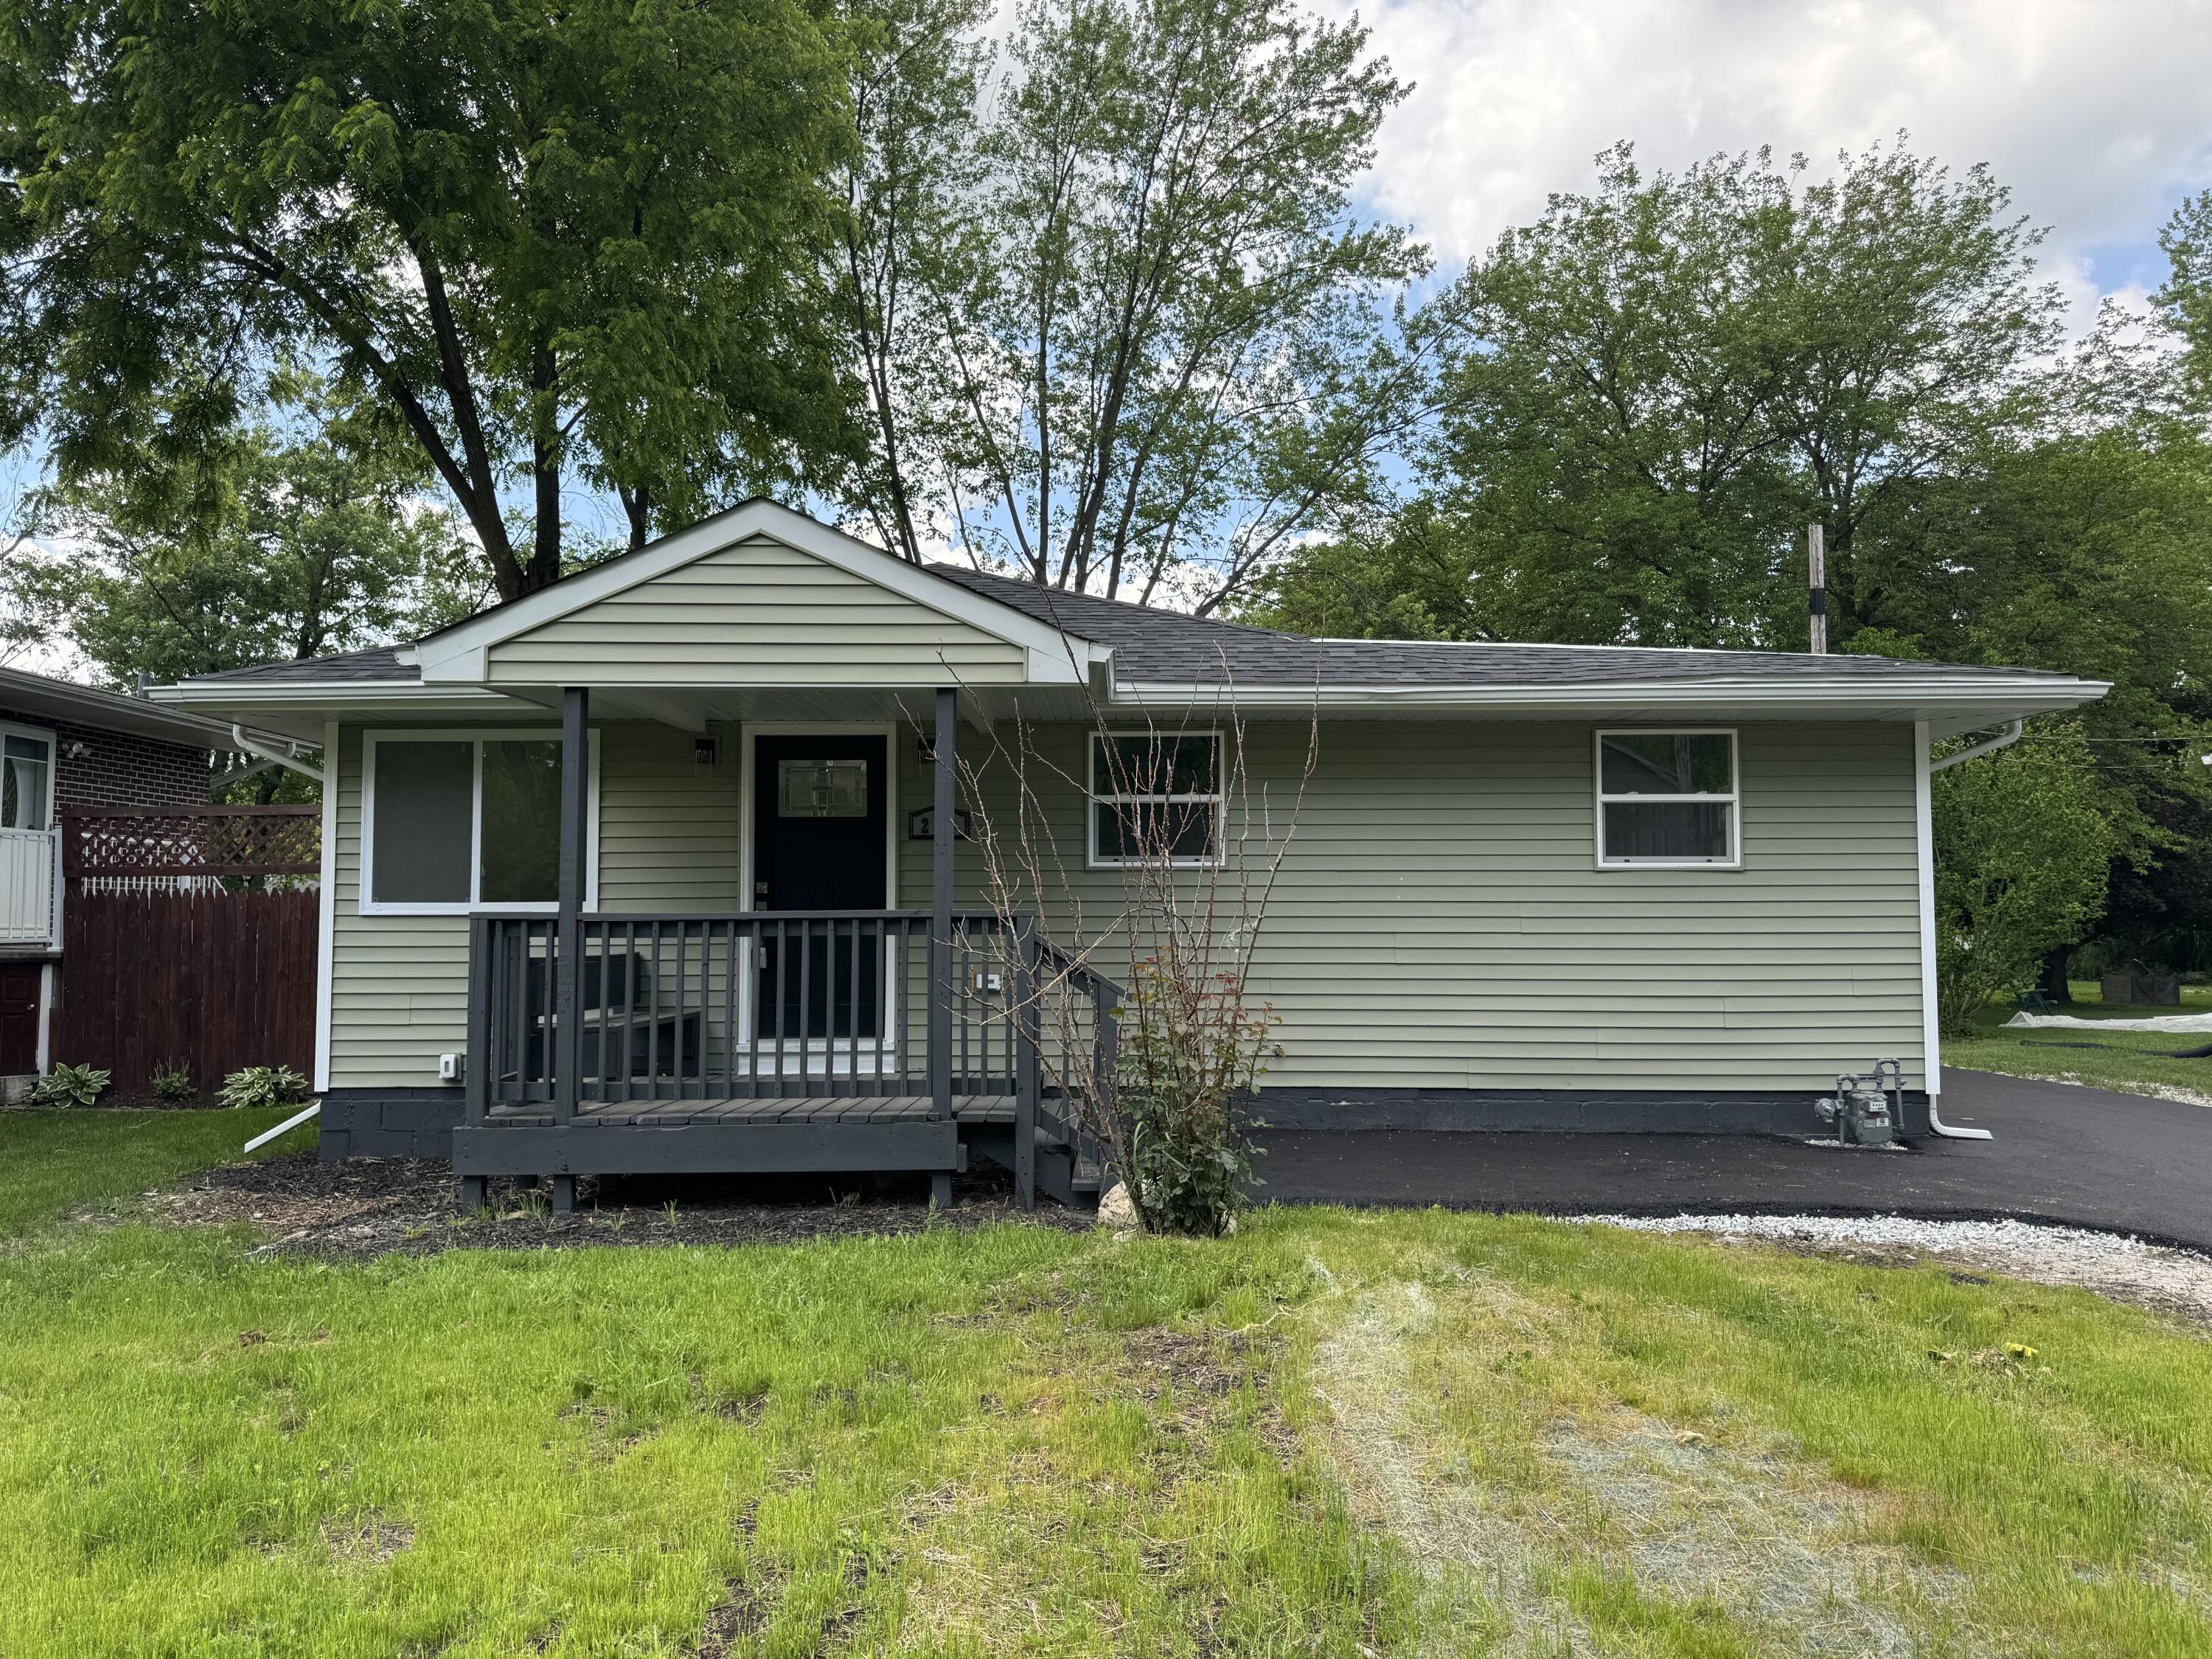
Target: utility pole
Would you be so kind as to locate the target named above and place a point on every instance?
(1816, 551)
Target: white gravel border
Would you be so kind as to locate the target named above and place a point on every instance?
(2114, 1265)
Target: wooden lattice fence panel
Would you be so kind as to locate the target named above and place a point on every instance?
(203, 841)
(176, 951)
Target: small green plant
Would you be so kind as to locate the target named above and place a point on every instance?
(1191, 1050)
(264, 1085)
(70, 1085)
(172, 1082)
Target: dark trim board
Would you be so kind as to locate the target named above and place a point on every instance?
(1588, 1111)
(749, 1148)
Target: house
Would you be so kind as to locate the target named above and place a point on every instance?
(660, 867)
(67, 748)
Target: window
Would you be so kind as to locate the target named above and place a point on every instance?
(452, 820)
(1667, 798)
(1151, 793)
(26, 769)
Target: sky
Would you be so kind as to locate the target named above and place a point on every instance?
(2099, 116)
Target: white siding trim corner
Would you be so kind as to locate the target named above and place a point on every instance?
(326, 923)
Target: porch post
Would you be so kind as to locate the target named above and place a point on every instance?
(940, 924)
(568, 948)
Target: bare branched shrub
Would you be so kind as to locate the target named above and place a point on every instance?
(1195, 847)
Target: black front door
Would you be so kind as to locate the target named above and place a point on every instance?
(820, 820)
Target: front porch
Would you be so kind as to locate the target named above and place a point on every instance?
(771, 1040)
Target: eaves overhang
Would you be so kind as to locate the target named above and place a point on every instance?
(1950, 703)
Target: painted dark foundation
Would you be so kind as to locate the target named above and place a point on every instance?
(420, 1122)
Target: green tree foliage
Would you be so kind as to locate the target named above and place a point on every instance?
(1665, 381)
(1129, 330)
(313, 549)
(581, 242)
(2024, 850)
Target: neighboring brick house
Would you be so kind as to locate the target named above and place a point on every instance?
(64, 746)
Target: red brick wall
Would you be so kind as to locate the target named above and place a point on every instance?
(119, 769)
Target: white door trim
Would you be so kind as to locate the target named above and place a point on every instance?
(748, 731)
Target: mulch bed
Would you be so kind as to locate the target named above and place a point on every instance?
(366, 1207)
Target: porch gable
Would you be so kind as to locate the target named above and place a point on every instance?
(758, 614)
(757, 596)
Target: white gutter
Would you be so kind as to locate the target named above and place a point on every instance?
(2004, 740)
(246, 745)
(1618, 694)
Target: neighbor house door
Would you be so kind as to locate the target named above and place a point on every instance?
(821, 829)
(19, 1017)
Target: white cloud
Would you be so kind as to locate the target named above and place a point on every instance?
(2098, 115)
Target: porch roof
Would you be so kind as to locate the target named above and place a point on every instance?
(1082, 652)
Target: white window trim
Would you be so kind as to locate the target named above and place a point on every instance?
(365, 876)
(51, 738)
(1734, 798)
(1094, 798)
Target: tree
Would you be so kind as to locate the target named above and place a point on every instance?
(1142, 342)
(540, 245)
(1662, 382)
(316, 550)
(2024, 854)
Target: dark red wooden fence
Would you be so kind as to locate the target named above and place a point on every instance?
(170, 959)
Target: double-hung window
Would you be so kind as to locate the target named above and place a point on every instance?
(1155, 796)
(1668, 797)
(455, 820)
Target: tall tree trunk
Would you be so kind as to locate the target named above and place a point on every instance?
(2054, 975)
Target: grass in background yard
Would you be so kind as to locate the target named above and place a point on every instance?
(55, 1161)
(2132, 1063)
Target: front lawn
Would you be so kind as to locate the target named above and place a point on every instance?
(1339, 1432)
(2136, 1061)
(56, 1160)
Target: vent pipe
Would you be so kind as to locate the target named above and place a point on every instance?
(1817, 597)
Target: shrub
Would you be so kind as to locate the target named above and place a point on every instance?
(1191, 1047)
(264, 1085)
(174, 1083)
(70, 1085)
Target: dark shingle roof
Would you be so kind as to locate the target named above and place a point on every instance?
(1165, 647)
(381, 664)
(1169, 647)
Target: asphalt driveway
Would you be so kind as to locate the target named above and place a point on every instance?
(2082, 1157)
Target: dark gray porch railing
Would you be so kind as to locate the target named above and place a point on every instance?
(759, 1003)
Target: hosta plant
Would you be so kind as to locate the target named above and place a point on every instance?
(70, 1085)
(264, 1085)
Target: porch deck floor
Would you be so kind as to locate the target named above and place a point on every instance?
(763, 1108)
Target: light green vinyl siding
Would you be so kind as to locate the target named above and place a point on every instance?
(399, 985)
(759, 613)
(668, 841)
(1439, 921)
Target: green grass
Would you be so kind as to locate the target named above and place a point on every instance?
(56, 1160)
(2132, 1061)
(1337, 1433)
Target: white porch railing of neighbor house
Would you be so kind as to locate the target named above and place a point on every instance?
(28, 887)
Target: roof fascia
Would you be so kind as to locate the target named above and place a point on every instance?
(2029, 696)
(460, 654)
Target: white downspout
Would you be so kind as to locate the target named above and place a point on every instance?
(1921, 770)
(2004, 740)
(247, 746)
